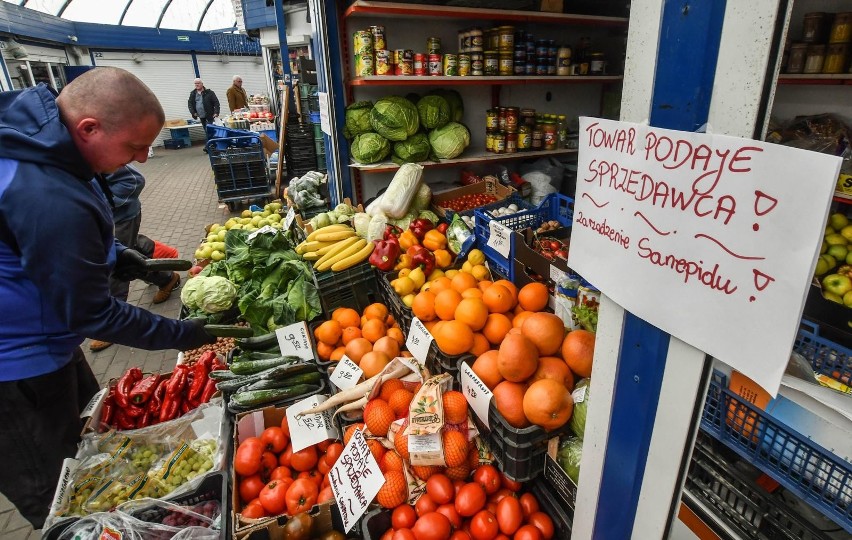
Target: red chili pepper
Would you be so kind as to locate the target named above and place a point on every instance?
(385, 254)
(209, 390)
(186, 406)
(170, 408)
(442, 227)
(420, 227)
(207, 360)
(122, 421)
(145, 419)
(143, 389)
(108, 407)
(199, 378)
(125, 384)
(422, 257)
(134, 411)
(177, 382)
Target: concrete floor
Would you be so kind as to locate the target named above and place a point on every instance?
(179, 200)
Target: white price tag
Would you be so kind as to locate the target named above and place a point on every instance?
(310, 428)
(500, 239)
(419, 340)
(266, 229)
(346, 373)
(97, 398)
(355, 480)
(477, 394)
(294, 341)
(557, 275)
(288, 220)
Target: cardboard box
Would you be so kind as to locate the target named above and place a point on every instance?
(553, 6)
(528, 260)
(487, 186)
(269, 146)
(175, 123)
(325, 518)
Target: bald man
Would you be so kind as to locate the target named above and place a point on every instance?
(57, 252)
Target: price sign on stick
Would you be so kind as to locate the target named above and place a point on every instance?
(311, 428)
(346, 374)
(419, 340)
(477, 394)
(355, 480)
(293, 341)
(288, 220)
(500, 239)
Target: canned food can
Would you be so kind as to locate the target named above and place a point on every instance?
(363, 42)
(435, 67)
(465, 41)
(420, 64)
(476, 41)
(398, 55)
(464, 65)
(405, 67)
(506, 66)
(433, 45)
(451, 65)
(477, 64)
(491, 119)
(378, 33)
(383, 63)
(364, 66)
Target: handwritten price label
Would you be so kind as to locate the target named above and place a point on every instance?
(477, 394)
(311, 428)
(266, 229)
(500, 239)
(346, 374)
(419, 340)
(355, 480)
(293, 341)
(557, 275)
(97, 398)
(288, 220)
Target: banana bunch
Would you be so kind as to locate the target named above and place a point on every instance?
(335, 248)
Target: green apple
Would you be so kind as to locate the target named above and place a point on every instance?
(833, 297)
(245, 214)
(835, 239)
(849, 258)
(832, 262)
(821, 267)
(823, 247)
(838, 251)
(220, 236)
(838, 221)
(262, 223)
(265, 213)
(217, 255)
(206, 251)
(212, 237)
(837, 284)
(847, 232)
(273, 218)
(847, 299)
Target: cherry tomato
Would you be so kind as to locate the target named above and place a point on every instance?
(253, 510)
(250, 487)
(285, 457)
(281, 472)
(273, 497)
(301, 496)
(425, 504)
(323, 446)
(247, 457)
(388, 535)
(403, 534)
(508, 483)
(470, 499)
(509, 515)
(440, 488)
(488, 477)
(529, 504)
(403, 517)
(274, 439)
(528, 532)
(457, 485)
(483, 526)
(333, 452)
(305, 459)
(432, 526)
(268, 462)
(543, 523)
(449, 510)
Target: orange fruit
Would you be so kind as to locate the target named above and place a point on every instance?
(473, 312)
(389, 387)
(517, 358)
(455, 448)
(446, 303)
(498, 298)
(350, 333)
(389, 320)
(394, 491)
(324, 350)
(423, 306)
(509, 400)
(496, 328)
(471, 293)
(397, 335)
(461, 472)
(484, 284)
(392, 462)
(337, 354)
(455, 407)
(552, 367)
(423, 472)
(547, 403)
(400, 442)
(389, 346)
(350, 430)
(485, 367)
(357, 348)
(378, 416)
(463, 281)
(441, 284)
(376, 449)
(328, 332)
(373, 362)
(520, 317)
(376, 311)
(431, 326)
(480, 344)
(578, 351)
(546, 331)
(509, 285)
(346, 317)
(400, 400)
(373, 329)
(533, 296)
(518, 309)
(454, 337)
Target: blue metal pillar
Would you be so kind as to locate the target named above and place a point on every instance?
(281, 24)
(195, 64)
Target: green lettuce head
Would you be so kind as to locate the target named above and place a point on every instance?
(370, 148)
(358, 119)
(395, 118)
(215, 294)
(434, 111)
(449, 141)
(411, 150)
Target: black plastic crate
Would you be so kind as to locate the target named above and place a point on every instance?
(354, 287)
(323, 388)
(375, 523)
(520, 469)
(552, 506)
(560, 484)
(401, 313)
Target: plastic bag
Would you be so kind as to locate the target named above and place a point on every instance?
(130, 528)
(460, 239)
(204, 514)
(551, 168)
(569, 456)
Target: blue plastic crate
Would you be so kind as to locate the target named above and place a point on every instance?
(825, 356)
(555, 207)
(224, 137)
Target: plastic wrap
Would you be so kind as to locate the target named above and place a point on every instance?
(130, 528)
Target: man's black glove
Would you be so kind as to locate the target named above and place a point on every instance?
(130, 265)
(199, 336)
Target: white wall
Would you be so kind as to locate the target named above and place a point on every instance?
(218, 72)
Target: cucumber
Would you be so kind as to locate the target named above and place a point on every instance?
(267, 384)
(223, 375)
(261, 397)
(249, 356)
(258, 343)
(162, 265)
(228, 330)
(250, 367)
(232, 385)
(287, 371)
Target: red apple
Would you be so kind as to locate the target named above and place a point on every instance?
(195, 270)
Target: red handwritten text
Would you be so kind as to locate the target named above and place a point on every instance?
(604, 230)
(688, 269)
(620, 141)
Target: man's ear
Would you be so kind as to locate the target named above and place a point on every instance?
(87, 128)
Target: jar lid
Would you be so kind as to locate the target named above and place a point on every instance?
(490, 52)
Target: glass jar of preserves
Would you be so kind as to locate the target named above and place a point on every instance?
(477, 64)
(433, 45)
(511, 143)
(814, 59)
(491, 119)
(476, 39)
(796, 60)
(528, 117)
(506, 38)
(813, 27)
(597, 63)
(841, 30)
(512, 119)
(489, 141)
(537, 137)
(492, 66)
(550, 136)
(501, 118)
(506, 65)
(524, 137)
(499, 142)
(835, 58)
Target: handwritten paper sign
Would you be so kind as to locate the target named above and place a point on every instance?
(346, 373)
(711, 238)
(477, 394)
(96, 399)
(293, 341)
(355, 480)
(419, 340)
(288, 220)
(500, 239)
(266, 229)
(311, 428)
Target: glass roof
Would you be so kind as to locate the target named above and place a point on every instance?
(203, 15)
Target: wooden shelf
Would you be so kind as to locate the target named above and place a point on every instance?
(393, 10)
(815, 79)
(469, 156)
(425, 80)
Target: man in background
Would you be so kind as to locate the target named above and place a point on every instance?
(203, 105)
(237, 97)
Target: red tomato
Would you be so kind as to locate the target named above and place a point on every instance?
(432, 526)
(425, 504)
(281, 472)
(253, 510)
(483, 526)
(449, 510)
(510, 516)
(325, 494)
(314, 476)
(274, 439)
(273, 497)
(268, 463)
(502, 492)
(529, 504)
(301, 496)
(285, 457)
(250, 487)
(488, 477)
(460, 535)
(457, 485)
(510, 484)
(403, 517)
(305, 459)
(322, 465)
(285, 427)
(388, 535)
(403, 534)
(333, 452)
(440, 488)
(528, 532)
(502, 536)
(543, 523)
(247, 457)
(323, 446)
(470, 499)
(325, 481)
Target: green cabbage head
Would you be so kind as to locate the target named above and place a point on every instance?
(370, 148)
(395, 118)
(581, 407)
(454, 100)
(434, 111)
(187, 293)
(411, 150)
(449, 141)
(215, 294)
(358, 119)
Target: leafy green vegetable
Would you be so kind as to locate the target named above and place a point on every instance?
(434, 111)
(430, 215)
(581, 405)
(569, 455)
(187, 294)
(455, 102)
(586, 316)
(370, 148)
(449, 141)
(395, 118)
(358, 119)
(215, 294)
(411, 150)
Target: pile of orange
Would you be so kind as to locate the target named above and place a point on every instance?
(371, 339)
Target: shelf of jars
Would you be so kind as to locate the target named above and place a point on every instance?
(815, 78)
(442, 80)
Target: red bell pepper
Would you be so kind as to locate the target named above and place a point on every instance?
(177, 382)
(420, 227)
(170, 408)
(442, 228)
(125, 385)
(122, 421)
(385, 254)
(391, 231)
(422, 257)
(143, 389)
